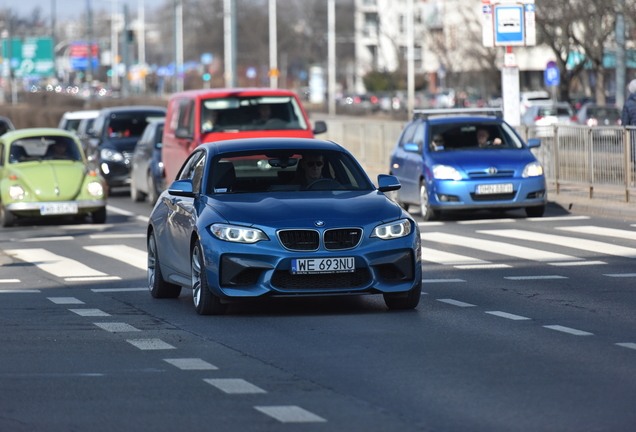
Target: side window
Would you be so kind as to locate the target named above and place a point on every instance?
(197, 173)
(1, 154)
(418, 136)
(407, 136)
(186, 115)
(188, 168)
(98, 125)
(173, 121)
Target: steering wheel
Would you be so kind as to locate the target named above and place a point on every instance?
(328, 184)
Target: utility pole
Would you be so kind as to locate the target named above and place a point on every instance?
(620, 54)
(331, 55)
(229, 37)
(124, 55)
(114, 42)
(178, 40)
(410, 60)
(273, 46)
(89, 51)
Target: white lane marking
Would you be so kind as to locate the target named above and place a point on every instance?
(123, 253)
(499, 247)
(103, 290)
(65, 300)
(577, 263)
(115, 236)
(486, 221)
(621, 275)
(150, 344)
(455, 302)
(290, 414)
(9, 280)
(557, 218)
(538, 277)
(19, 291)
(88, 279)
(144, 219)
(234, 385)
(89, 312)
(112, 209)
(428, 224)
(191, 364)
(570, 242)
(447, 258)
(481, 266)
(507, 315)
(441, 280)
(631, 345)
(44, 239)
(115, 327)
(569, 330)
(601, 231)
(55, 264)
(90, 227)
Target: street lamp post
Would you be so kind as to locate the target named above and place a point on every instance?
(273, 46)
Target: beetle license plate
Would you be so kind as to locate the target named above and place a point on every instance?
(323, 265)
(58, 209)
(498, 188)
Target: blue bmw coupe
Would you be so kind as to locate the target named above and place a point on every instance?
(280, 217)
(457, 160)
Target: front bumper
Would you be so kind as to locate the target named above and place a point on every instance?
(33, 208)
(115, 173)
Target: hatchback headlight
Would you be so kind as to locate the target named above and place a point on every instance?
(16, 192)
(111, 155)
(237, 234)
(392, 230)
(445, 172)
(533, 169)
(95, 189)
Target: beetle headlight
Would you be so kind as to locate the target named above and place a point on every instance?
(445, 172)
(111, 155)
(237, 234)
(95, 189)
(392, 230)
(16, 192)
(533, 169)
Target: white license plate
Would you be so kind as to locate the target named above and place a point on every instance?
(494, 188)
(58, 209)
(323, 265)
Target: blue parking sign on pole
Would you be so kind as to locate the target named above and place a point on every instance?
(552, 75)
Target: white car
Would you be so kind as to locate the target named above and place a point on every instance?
(529, 98)
(71, 119)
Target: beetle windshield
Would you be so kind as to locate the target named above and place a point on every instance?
(40, 148)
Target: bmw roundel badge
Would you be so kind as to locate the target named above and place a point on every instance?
(319, 223)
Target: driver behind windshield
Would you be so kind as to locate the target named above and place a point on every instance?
(309, 169)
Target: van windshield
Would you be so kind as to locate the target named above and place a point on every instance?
(251, 113)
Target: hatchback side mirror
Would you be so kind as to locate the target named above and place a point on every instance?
(534, 142)
(320, 127)
(183, 133)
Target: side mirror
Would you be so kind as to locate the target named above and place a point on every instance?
(158, 145)
(320, 127)
(181, 188)
(534, 142)
(182, 132)
(387, 183)
(411, 147)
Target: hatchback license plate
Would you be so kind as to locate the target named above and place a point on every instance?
(323, 265)
(58, 209)
(494, 188)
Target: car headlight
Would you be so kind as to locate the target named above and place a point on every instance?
(16, 192)
(237, 234)
(445, 172)
(533, 169)
(111, 155)
(95, 189)
(392, 230)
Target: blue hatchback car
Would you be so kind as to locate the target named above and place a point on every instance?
(459, 160)
(280, 217)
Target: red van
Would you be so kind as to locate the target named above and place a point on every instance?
(198, 116)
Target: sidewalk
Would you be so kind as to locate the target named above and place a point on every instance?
(597, 206)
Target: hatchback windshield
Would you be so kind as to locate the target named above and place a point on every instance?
(472, 136)
(251, 113)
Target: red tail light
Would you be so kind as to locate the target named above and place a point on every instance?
(619, 122)
(374, 99)
(574, 119)
(537, 118)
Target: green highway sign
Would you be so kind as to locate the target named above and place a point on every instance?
(29, 57)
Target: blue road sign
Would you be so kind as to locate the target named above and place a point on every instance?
(509, 25)
(552, 75)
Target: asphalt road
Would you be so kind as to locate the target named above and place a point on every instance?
(525, 325)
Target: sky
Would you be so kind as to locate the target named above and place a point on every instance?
(67, 9)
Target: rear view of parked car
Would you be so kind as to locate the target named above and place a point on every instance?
(70, 120)
(146, 173)
(599, 115)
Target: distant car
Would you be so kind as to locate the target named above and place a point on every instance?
(545, 116)
(599, 115)
(43, 173)
(240, 223)
(5, 125)
(529, 98)
(71, 119)
(441, 165)
(146, 173)
(113, 137)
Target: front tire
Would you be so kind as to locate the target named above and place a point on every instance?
(426, 210)
(400, 301)
(157, 286)
(153, 194)
(99, 216)
(135, 194)
(7, 218)
(205, 302)
(535, 211)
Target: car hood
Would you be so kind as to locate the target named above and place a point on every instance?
(303, 209)
(52, 180)
(471, 160)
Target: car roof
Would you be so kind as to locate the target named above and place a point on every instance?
(247, 144)
(23, 133)
(238, 91)
(81, 114)
(458, 115)
(132, 108)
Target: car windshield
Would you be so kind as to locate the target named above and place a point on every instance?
(130, 124)
(285, 171)
(604, 112)
(41, 148)
(470, 136)
(251, 113)
(555, 111)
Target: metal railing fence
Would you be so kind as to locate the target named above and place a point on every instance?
(596, 162)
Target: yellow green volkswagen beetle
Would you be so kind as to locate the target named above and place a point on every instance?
(43, 173)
